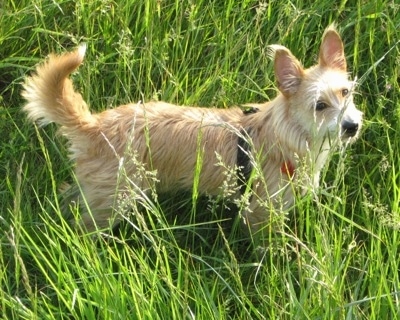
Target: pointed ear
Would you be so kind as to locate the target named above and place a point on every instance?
(288, 70)
(331, 53)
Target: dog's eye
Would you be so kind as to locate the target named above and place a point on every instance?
(320, 106)
(345, 92)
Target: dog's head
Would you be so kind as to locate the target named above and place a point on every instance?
(320, 99)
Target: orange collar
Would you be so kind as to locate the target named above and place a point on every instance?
(288, 169)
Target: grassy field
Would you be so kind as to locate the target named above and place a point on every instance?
(183, 257)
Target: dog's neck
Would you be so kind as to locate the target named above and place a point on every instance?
(290, 146)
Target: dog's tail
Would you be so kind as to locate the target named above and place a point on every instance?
(50, 94)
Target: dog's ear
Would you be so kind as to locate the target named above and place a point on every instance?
(331, 53)
(288, 70)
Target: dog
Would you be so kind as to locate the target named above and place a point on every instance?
(277, 149)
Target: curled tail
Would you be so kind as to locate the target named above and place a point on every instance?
(50, 94)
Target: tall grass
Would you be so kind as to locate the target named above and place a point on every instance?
(171, 259)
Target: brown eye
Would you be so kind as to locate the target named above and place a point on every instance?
(345, 92)
(320, 106)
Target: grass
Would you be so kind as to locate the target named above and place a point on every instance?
(337, 259)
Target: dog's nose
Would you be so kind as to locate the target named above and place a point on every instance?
(349, 128)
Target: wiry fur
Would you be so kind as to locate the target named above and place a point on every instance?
(294, 129)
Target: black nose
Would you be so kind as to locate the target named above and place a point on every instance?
(349, 128)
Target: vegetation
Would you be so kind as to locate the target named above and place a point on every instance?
(180, 257)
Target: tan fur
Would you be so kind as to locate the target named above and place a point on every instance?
(287, 131)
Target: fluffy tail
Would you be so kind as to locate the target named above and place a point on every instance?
(50, 94)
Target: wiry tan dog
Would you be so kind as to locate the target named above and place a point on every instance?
(289, 136)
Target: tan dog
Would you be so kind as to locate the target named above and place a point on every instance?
(284, 142)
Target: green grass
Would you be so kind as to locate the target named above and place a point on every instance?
(339, 255)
